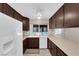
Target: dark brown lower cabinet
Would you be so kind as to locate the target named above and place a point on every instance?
(30, 43)
(54, 50)
(33, 43)
(60, 52)
(24, 45)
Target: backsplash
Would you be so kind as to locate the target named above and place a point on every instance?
(26, 33)
(71, 34)
(57, 32)
(66, 33)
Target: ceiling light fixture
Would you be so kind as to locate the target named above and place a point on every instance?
(39, 15)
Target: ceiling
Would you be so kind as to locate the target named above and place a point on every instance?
(34, 10)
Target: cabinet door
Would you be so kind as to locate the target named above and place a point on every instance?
(59, 18)
(53, 22)
(0, 7)
(17, 16)
(25, 24)
(60, 52)
(33, 43)
(25, 45)
(36, 43)
(8, 10)
(52, 48)
(71, 11)
(50, 23)
(48, 43)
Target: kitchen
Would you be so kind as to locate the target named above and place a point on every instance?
(50, 27)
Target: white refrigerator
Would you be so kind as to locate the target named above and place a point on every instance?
(11, 36)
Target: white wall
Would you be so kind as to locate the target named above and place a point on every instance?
(10, 36)
(39, 22)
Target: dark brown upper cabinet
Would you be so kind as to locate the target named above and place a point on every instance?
(71, 14)
(59, 18)
(17, 16)
(25, 23)
(0, 7)
(6, 9)
(67, 16)
(56, 21)
(52, 22)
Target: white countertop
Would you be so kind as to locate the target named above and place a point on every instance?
(70, 47)
(24, 37)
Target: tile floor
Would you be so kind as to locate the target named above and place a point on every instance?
(37, 52)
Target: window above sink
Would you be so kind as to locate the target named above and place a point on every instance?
(41, 30)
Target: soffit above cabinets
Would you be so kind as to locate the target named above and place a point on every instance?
(31, 10)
